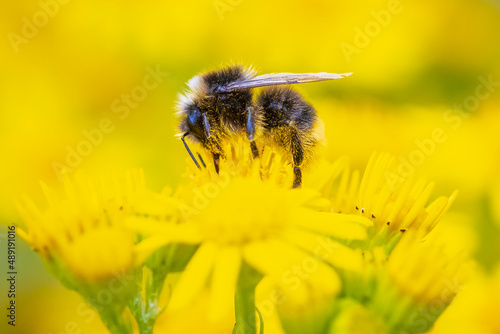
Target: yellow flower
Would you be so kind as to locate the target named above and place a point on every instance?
(406, 270)
(357, 319)
(84, 232)
(248, 215)
(181, 321)
(393, 200)
(475, 311)
(426, 270)
(417, 282)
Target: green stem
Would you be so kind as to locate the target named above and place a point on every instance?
(146, 316)
(114, 320)
(144, 306)
(244, 300)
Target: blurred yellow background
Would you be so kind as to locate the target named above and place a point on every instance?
(426, 87)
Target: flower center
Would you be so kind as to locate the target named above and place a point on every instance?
(246, 210)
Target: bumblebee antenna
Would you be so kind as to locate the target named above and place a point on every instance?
(189, 151)
(201, 160)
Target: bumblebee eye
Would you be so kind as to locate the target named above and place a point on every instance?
(193, 116)
(194, 122)
(198, 123)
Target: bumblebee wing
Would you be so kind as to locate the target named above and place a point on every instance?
(283, 79)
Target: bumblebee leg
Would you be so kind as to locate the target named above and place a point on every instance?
(251, 132)
(255, 151)
(297, 181)
(216, 161)
(297, 155)
(189, 151)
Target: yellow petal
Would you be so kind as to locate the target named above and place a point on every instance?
(194, 277)
(182, 232)
(418, 205)
(224, 280)
(325, 248)
(339, 225)
(292, 268)
(145, 248)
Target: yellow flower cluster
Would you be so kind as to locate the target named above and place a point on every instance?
(85, 231)
(341, 248)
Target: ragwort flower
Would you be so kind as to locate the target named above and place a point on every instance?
(249, 223)
(84, 242)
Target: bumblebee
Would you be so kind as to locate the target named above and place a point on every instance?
(221, 104)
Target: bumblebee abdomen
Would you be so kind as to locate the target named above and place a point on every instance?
(282, 106)
(289, 122)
